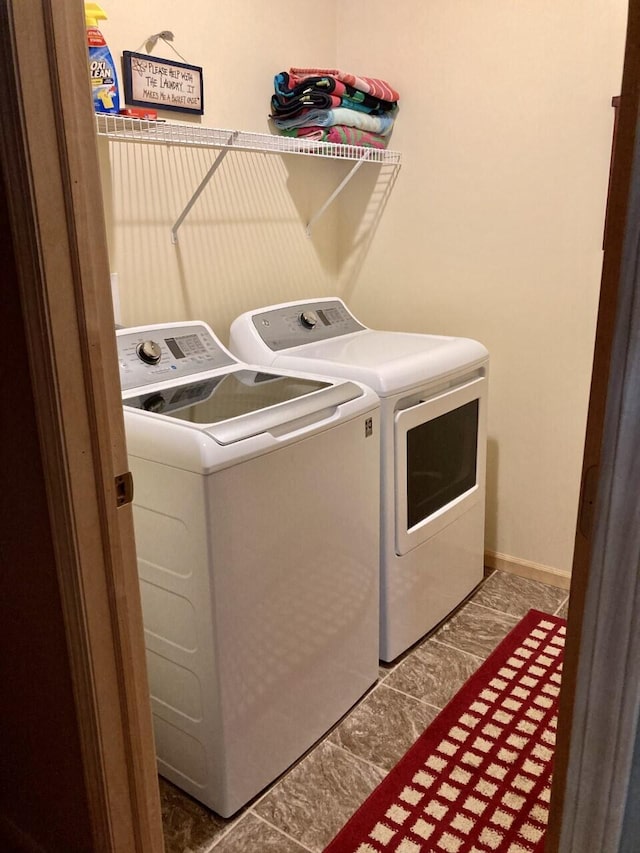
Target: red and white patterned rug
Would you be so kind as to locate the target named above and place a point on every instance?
(478, 780)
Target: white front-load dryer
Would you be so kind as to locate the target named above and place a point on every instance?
(256, 522)
(433, 393)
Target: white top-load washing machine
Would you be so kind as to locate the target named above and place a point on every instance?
(256, 524)
(433, 392)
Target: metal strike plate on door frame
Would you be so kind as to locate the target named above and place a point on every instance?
(124, 488)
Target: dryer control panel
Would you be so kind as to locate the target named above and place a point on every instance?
(150, 354)
(296, 324)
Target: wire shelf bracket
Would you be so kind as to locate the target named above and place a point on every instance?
(203, 183)
(343, 183)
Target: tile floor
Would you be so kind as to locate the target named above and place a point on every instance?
(305, 808)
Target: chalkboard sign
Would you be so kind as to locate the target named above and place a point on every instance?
(162, 83)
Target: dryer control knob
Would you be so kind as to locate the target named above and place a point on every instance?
(149, 352)
(309, 319)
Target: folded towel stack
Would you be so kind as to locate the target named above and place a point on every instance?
(334, 106)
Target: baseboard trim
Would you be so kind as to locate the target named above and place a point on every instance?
(527, 569)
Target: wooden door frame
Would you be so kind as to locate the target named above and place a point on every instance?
(50, 168)
(600, 699)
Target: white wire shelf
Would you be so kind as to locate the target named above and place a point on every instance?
(126, 129)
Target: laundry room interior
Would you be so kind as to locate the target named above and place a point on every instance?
(491, 229)
(487, 225)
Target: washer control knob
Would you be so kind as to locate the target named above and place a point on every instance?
(155, 403)
(149, 352)
(309, 319)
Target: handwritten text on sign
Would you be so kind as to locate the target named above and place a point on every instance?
(161, 83)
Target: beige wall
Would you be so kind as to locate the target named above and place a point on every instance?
(493, 228)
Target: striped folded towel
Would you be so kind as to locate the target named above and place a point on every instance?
(340, 134)
(382, 125)
(312, 87)
(370, 85)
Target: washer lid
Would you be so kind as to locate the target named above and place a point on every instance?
(386, 361)
(243, 403)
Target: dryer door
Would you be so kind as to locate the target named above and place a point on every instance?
(440, 453)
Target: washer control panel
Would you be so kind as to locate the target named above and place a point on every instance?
(293, 325)
(150, 354)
